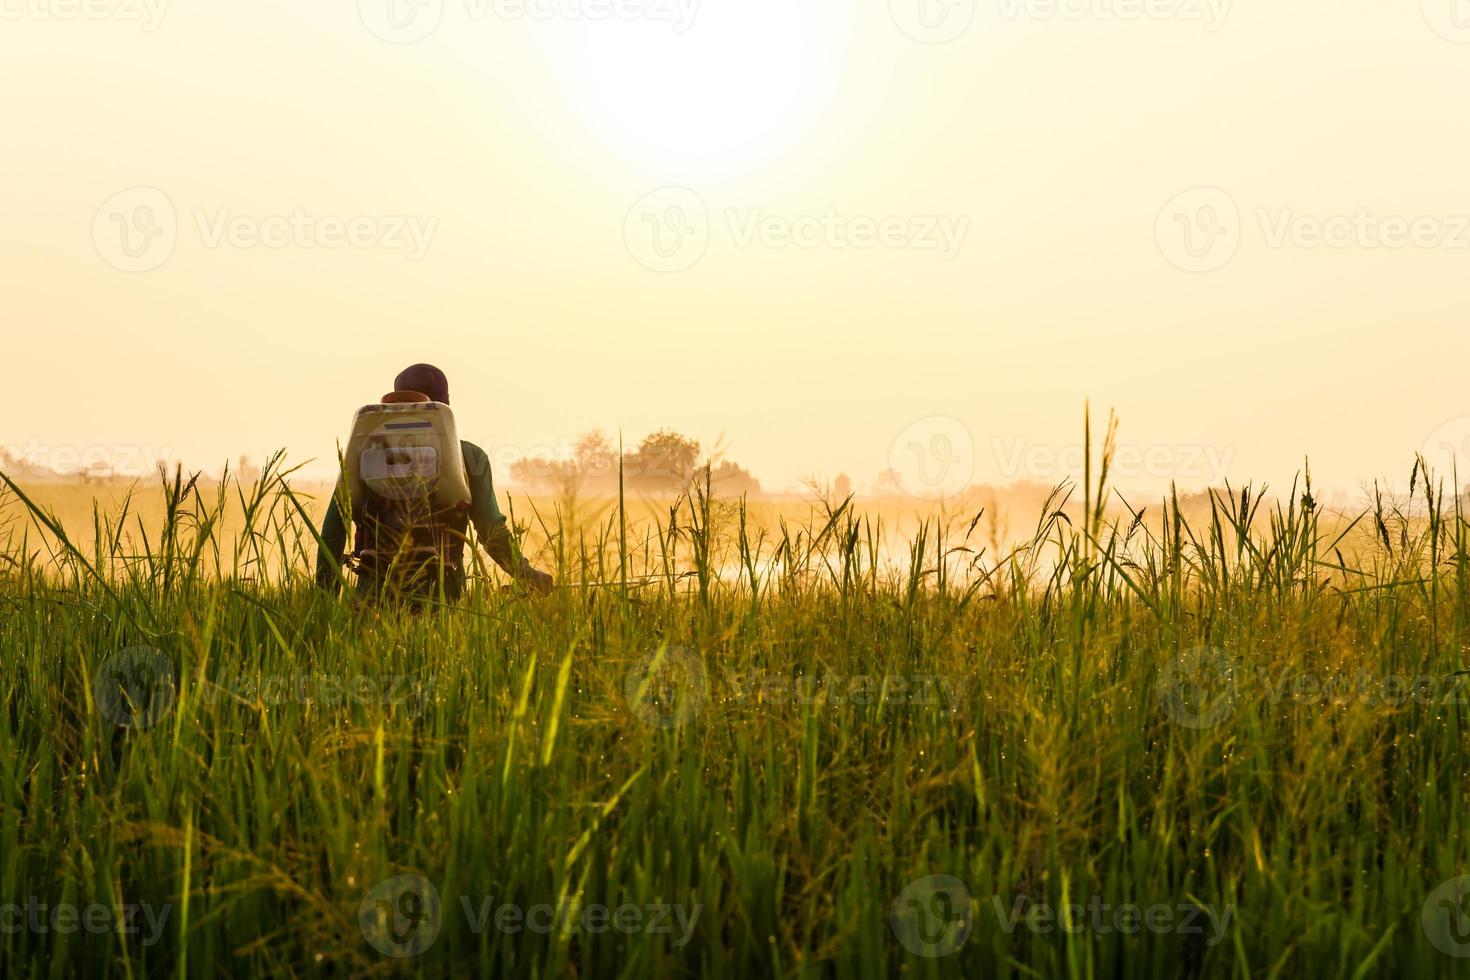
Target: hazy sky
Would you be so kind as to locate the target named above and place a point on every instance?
(842, 235)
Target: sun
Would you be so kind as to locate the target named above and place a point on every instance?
(700, 90)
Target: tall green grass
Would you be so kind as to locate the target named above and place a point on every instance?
(777, 729)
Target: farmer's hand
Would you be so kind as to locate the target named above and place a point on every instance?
(538, 581)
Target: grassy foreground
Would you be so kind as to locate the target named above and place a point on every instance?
(1233, 745)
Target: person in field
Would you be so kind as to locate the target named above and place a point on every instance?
(403, 546)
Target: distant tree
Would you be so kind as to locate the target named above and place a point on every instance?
(663, 460)
(14, 463)
(889, 483)
(842, 487)
(595, 457)
(728, 478)
(536, 473)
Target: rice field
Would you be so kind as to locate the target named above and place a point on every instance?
(740, 740)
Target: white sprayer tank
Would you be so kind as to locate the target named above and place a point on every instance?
(407, 451)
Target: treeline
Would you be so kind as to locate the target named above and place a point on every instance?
(664, 461)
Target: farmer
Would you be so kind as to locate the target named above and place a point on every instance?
(484, 513)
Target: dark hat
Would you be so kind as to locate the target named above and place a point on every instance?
(425, 378)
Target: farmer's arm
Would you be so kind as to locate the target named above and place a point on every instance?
(490, 523)
(334, 540)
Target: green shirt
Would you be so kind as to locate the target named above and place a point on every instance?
(484, 514)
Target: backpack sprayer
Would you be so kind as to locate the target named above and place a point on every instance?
(409, 492)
